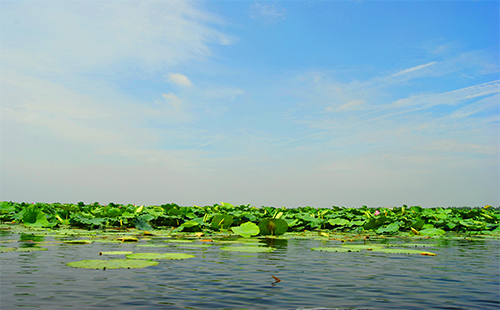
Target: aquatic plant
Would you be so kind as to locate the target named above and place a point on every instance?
(243, 219)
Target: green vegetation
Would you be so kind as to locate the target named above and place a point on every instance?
(248, 221)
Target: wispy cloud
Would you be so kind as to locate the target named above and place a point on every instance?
(413, 69)
(267, 13)
(148, 34)
(179, 79)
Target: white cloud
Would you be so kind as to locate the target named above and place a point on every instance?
(85, 36)
(459, 147)
(353, 105)
(179, 79)
(268, 13)
(173, 100)
(413, 69)
(222, 92)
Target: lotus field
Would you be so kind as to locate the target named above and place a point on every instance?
(247, 221)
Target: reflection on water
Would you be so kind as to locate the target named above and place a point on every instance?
(464, 275)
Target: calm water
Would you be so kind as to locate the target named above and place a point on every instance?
(464, 275)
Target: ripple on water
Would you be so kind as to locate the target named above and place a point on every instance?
(463, 275)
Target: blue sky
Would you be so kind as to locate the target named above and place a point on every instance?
(277, 103)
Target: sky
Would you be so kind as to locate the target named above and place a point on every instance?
(268, 103)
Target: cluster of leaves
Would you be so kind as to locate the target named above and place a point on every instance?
(243, 219)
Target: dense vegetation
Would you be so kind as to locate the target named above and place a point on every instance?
(403, 220)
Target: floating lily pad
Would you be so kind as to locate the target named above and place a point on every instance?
(399, 251)
(246, 229)
(116, 253)
(413, 245)
(160, 256)
(247, 249)
(368, 247)
(336, 249)
(127, 239)
(6, 249)
(178, 241)
(80, 241)
(191, 245)
(31, 249)
(112, 263)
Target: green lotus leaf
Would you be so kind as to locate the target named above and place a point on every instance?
(336, 249)
(178, 241)
(338, 222)
(273, 227)
(127, 239)
(191, 245)
(31, 249)
(432, 232)
(247, 249)
(246, 230)
(159, 256)
(413, 245)
(221, 221)
(368, 247)
(79, 241)
(152, 245)
(116, 253)
(6, 249)
(399, 251)
(112, 263)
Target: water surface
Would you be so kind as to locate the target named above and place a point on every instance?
(463, 275)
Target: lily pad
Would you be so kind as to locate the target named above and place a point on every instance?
(160, 256)
(399, 251)
(178, 241)
(6, 249)
(273, 227)
(336, 249)
(368, 247)
(432, 232)
(191, 245)
(247, 249)
(127, 239)
(116, 253)
(413, 245)
(31, 249)
(112, 263)
(80, 241)
(246, 230)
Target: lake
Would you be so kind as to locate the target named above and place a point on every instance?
(463, 275)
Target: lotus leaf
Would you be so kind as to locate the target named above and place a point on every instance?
(178, 241)
(112, 263)
(222, 221)
(6, 249)
(127, 239)
(80, 241)
(338, 222)
(247, 249)
(247, 229)
(432, 231)
(413, 245)
(399, 251)
(191, 245)
(30, 249)
(369, 247)
(273, 227)
(336, 249)
(116, 253)
(159, 256)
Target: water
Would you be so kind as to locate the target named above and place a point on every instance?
(463, 275)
